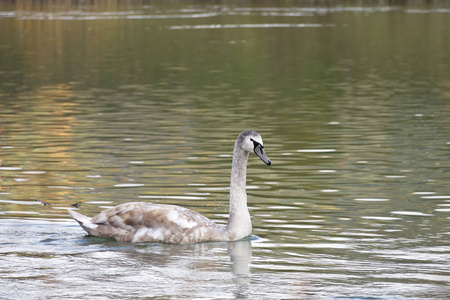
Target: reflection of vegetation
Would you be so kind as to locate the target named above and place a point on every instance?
(116, 44)
(103, 102)
(38, 129)
(86, 90)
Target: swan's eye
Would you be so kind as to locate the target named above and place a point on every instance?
(256, 144)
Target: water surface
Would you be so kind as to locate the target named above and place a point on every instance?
(102, 105)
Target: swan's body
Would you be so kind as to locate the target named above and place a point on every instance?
(150, 222)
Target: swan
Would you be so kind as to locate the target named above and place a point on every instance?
(151, 222)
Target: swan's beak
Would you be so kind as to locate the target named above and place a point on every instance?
(259, 151)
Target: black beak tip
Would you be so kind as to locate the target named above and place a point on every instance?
(269, 163)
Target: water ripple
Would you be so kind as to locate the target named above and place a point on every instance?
(236, 26)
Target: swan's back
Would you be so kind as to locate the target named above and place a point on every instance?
(149, 222)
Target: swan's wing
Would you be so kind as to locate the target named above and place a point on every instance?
(146, 222)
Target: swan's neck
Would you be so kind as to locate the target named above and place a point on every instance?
(239, 223)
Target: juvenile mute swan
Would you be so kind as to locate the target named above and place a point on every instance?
(150, 222)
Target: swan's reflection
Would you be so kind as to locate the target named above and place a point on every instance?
(240, 253)
(196, 266)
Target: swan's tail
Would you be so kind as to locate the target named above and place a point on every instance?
(84, 221)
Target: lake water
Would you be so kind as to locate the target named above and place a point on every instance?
(107, 103)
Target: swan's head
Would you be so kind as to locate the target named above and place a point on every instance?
(251, 141)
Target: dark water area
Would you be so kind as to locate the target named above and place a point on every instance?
(107, 103)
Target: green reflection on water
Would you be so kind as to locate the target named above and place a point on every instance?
(106, 104)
